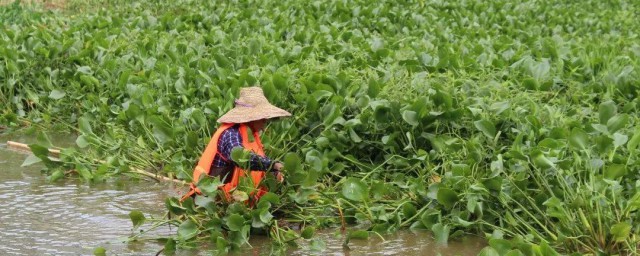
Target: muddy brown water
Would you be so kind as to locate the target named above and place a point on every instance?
(73, 217)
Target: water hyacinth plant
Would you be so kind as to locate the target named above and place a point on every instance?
(515, 121)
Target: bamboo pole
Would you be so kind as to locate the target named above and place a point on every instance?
(56, 153)
(24, 147)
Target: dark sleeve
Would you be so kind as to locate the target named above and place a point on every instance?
(231, 140)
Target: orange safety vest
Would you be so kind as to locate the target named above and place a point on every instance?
(204, 165)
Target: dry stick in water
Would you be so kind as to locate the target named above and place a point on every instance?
(56, 153)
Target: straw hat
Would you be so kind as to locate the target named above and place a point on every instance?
(251, 106)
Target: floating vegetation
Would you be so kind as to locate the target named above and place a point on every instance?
(514, 121)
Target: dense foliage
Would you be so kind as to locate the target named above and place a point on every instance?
(518, 120)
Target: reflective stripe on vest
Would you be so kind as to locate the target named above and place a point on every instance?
(204, 164)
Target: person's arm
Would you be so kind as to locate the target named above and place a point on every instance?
(232, 139)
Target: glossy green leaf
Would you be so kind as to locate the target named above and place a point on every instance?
(85, 125)
(265, 215)
(270, 197)
(30, 160)
(606, 111)
(501, 246)
(447, 197)
(317, 245)
(99, 251)
(411, 117)
(209, 185)
(137, 218)
(620, 231)
(57, 94)
(187, 230)
(486, 127)
(619, 139)
(441, 233)
(222, 244)
(308, 232)
(359, 234)
(488, 251)
(82, 142)
(170, 246)
(634, 141)
(292, 162)
(235, 222)
(578, 139)
(409, 210)
(540, 160)
(174, 206)
(56, 175)
(617, 122)
(356, 190)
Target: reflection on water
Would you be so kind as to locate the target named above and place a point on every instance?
(72, 217)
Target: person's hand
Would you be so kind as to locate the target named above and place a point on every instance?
(279, 176)
(278, 166)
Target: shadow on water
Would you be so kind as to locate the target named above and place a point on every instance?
(74, 217)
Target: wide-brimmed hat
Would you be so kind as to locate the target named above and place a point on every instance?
(252, 105)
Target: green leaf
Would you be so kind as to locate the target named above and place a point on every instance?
(514, 252)
(187, 230)
(137, 218)
(354, 189)
(540, 160)
(635, 141)
(617, 122)
(634, 203)
(205, 202)
(308, 232)
(447, 197)
(270, 197)
(621, 231)
(607, 110)
(43, 139)
(441, 233)
(239, 155)
(500, 245)
(235, 222)
(488, 251)
(239, 196)
(409, 210)
(162, 130)
(265, 215)
(100, 251)
(209, 185)
(82, 142)
(84, 125)
(317, 245)
(619, 139)
(486, 127)
(59, 174)
(84, 70)
(31, 159)
(359, 234)
(292, 162)
(170, 246)
(578, 139)
(545, 250)
(174, 206)
(221, 244)
(411, 117)
(57, 94)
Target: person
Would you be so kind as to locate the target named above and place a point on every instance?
(251, 112)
